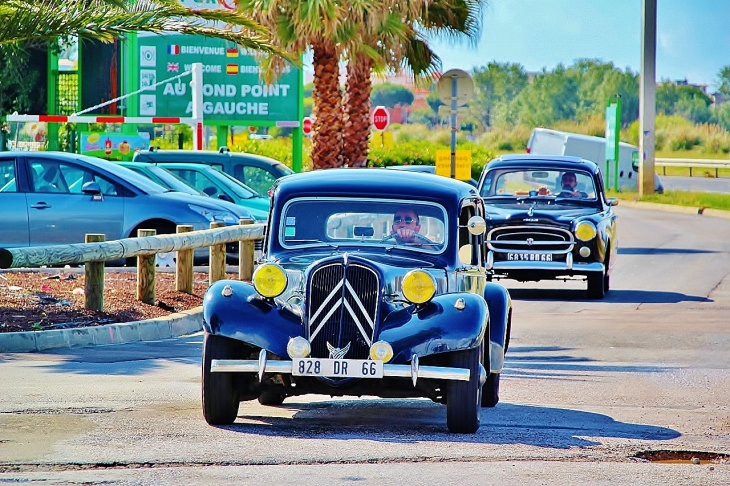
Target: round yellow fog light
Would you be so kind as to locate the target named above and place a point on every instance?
(298, 347)
(418, 286)
(585, 231)
(381, 351)
(269, 280)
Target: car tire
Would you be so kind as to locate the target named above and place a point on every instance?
(596, 289)
(271, 398)
(464, 398)
(490, 391)
(220, 399)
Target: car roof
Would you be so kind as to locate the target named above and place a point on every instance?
(369, 182)
(198, 156)
(539, 160)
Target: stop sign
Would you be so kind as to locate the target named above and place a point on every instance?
(307, 125)
(381, 118)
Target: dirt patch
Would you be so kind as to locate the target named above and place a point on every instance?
(54, 299)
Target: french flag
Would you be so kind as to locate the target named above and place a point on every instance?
(173, 49)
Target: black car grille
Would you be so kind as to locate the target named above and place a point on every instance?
(539, 239)
(343, 304)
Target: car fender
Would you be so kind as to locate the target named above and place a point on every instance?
(499, 303)
(437, 327)
(246, 316)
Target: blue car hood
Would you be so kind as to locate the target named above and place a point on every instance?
(552, 214)
(208, 202)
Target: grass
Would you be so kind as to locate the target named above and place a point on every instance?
(679, 198)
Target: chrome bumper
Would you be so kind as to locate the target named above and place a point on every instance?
(567, 265)
(412, 371)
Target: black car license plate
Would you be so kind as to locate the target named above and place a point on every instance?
(530, 257)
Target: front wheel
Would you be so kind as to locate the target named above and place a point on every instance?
(220, 399)
(464, 398)
(596, 285)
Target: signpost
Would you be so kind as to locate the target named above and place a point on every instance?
(613, 128)
(381, 118)
(455, 88)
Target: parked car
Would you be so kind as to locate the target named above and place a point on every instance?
(51, 198)
(162, 176)
(539, 229)
(217, 184)
(255, 171)
(429, 169)
(346, 303)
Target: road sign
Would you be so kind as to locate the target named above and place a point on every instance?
(463, 164)
(463, 91)
(381, 118)
(307, 125)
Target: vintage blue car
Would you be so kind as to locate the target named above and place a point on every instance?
(373, 282)
(548, 217)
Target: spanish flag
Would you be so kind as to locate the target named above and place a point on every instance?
(231, 68)
(232, 52)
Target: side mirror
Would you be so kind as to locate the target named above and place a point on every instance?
(476, 225)
(225, 197)
(612, 201)
(92, 188)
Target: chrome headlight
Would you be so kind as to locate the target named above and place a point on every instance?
(418, 286)
(269, 280)
(585, 231)
(381, 351)
(213, 215)
(298, 347)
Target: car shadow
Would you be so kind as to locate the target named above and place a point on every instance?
(418, 421)
(618, 296)
(661, 251)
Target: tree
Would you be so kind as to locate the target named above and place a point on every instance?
(684, 100)
(724, 78)
(496, 84)
(551, 96)
(389, 94)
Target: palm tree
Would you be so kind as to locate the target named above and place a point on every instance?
(40, 21)
(399, 42)
(297, 26)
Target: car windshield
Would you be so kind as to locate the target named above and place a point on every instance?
(547, 184)
(172, 181)
(363, 222)
(239, 187)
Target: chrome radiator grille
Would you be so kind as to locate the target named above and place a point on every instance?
(519, 239)
(343, 305)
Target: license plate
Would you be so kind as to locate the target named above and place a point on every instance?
(530, 257)
(337, 368)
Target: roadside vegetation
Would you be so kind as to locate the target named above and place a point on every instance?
(680, 198)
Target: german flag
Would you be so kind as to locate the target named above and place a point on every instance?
(232, 52)
(231, 68)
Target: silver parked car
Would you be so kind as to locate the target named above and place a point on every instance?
(50, 198)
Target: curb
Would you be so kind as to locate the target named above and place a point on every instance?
(173, 325)
(670, 208)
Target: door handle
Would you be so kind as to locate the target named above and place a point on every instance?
(40, 205)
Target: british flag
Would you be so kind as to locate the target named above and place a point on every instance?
(173, 67)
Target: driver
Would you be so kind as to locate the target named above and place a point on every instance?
(406, 227)
(568, 184)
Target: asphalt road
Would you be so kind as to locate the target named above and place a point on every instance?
(697, 183)
(587, 387)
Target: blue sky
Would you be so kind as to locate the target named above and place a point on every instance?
(693, 36)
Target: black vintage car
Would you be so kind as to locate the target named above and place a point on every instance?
(373, 282)
(548, 217)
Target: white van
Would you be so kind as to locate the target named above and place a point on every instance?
(554, 142)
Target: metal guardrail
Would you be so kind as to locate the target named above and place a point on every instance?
(716, 164)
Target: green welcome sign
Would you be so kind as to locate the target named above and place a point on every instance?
(233, 90)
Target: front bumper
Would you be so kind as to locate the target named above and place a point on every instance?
(568, 265)
(412, 371)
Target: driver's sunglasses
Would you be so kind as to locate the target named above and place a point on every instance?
(406, 220)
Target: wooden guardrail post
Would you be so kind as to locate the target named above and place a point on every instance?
(94, 278)
(184, 265)
(146, 272)
(245, 256)
(217, 263)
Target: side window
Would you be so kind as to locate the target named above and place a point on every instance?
(46, 176)
(258, 179)
(8, 182)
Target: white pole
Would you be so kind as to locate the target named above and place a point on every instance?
(197, 88)
(647, 98)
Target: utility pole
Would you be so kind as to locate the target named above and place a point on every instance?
(647, 97)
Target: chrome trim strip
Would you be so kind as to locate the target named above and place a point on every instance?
(490, 260)
(357, 321)
(391, 370)
(325, 302)
(496, 357)
(569, 261)
(359, 304)
(335, 307)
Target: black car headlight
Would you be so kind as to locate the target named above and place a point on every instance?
(585, 231)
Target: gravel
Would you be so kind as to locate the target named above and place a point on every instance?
(54, 298)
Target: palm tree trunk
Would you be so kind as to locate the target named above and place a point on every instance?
(327, 109)
(357, 111)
